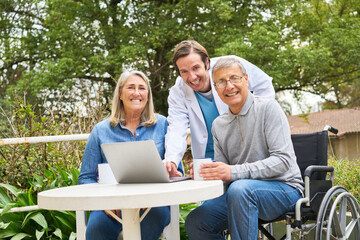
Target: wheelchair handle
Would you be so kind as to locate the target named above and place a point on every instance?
(331, 129)
(315, 168)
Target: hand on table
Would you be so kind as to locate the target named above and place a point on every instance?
(171, 169)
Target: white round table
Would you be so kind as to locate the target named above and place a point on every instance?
(130, 198)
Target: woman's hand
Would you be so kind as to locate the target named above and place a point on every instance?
(116, 212)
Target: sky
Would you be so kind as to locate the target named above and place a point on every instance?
(309, 102)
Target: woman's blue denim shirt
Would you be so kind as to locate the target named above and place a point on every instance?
(103, 132)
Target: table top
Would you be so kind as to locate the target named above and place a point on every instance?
(98, 196)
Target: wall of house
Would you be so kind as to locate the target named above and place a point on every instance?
(347, 146)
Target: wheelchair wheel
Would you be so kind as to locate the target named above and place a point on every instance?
(333, 219)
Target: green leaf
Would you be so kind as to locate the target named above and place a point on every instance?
(8, 230)
(38, 217)
(38, 181)
(15, 191)
(72, 236)
(63, 174)
(74, 175)
(23, 199)
(39, 234)
(4, 225)
(30, 197)
(50, 174)
(58, 233)
(20, 236)
(64, 221)
(7, 207)
(4, 198)
(27, 219)
(53, 184)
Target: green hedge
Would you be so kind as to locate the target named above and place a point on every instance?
(347, 174)
(18, 163)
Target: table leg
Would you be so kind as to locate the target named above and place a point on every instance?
(131, 224)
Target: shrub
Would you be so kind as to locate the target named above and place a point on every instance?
(37, 224)
(347, 174)
(19, 162)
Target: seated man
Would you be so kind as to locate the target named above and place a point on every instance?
(255, 157)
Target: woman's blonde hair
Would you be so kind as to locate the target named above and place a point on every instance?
(147, 118)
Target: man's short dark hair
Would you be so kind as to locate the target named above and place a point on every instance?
(186, 47)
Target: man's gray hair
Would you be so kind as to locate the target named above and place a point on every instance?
(227, 62)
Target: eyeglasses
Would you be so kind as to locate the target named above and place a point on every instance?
(234, 80)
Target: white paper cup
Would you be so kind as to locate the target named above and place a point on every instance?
(106, 175)
(197, 165)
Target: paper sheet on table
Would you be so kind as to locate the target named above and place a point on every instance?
(106, 175)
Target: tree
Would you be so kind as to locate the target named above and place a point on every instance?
(68, 47)
(307, 45)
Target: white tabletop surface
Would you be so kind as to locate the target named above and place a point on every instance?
(98, 196)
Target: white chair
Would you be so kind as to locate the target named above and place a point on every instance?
(171, 231)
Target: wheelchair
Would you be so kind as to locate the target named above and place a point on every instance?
(326, 211)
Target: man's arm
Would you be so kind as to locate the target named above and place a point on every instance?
(278, 141)
(178, 119)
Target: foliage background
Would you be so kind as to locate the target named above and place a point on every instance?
(69, 48)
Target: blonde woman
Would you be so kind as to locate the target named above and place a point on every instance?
(132, 119)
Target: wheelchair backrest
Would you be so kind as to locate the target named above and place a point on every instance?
(311, 149)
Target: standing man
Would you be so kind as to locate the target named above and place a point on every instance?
(193, 102)
(254, 155)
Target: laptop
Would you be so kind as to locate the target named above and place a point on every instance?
(137, 162)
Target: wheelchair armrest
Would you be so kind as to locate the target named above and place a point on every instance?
(315, 168)
(309, 171)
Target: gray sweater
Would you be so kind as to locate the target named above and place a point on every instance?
(257, 143)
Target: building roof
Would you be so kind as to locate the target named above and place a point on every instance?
(345, 120)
